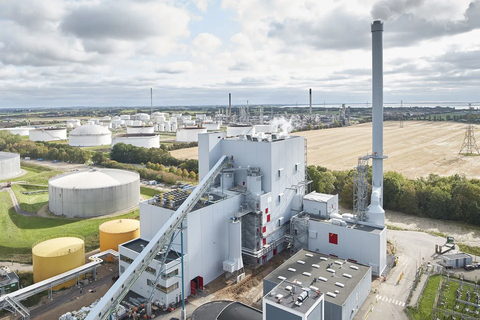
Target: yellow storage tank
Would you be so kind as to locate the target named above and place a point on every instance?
(55, 256)
(115, 232)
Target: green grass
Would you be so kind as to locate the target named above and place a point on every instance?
(30, 202)
(425, 306)
(147, 192)
(19, 233)
(469, 249)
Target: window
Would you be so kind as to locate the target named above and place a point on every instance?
(280, 172)
(122, 269)
(170, 274)
(264, 229)
(268, 218)
(126, 259)
(151, 270)
(151, 283)
(169, 289)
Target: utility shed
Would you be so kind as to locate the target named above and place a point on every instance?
(9, 282)
(320, 204)
(345, 284)
(456, 260)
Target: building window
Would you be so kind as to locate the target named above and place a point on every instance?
(169, 289)
(126, 259)
(151, 271)
(122, 269)
(268, 218)
(150, 283)
(170, 274)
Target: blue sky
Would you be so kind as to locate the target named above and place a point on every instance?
(194, 52)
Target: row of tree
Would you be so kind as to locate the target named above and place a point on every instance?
(446, 198)
(178, 171)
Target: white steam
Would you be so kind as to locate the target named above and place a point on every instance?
(284, 125)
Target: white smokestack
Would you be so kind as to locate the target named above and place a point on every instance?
(376, 214)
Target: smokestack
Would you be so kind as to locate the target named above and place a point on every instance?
(376, 214)
(310, 104)
(229, 104)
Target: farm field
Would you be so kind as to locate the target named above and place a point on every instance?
(418, 149)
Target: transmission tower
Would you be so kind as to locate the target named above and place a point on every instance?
(469, 145)
(360, 185)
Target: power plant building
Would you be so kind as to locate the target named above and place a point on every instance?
(9, 165)
(92, 193)
(90, 135)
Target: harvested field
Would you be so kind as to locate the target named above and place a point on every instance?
(418, 149)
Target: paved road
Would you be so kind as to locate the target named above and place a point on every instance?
(3, 187)
(413, 249)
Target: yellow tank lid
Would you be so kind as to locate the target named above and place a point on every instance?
(120, 226)
(58, 247)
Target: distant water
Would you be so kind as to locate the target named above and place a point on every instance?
(428, 104)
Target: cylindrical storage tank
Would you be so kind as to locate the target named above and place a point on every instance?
(173, 127)
(21, 131)
(145, 140)
(56, 256)
(173, 120)
(137, 123)
(125, 117)
(189, 134)
(266, 128)
(143, 116)
(160, 119)
(236, 130)
(115, 232)
(140, 129)
(211, 125)
(92, 192)
(168, 128)
(128, 122)
(9, 165)
(48, 134)
(107, 118)
(90, 135)
(161, 127)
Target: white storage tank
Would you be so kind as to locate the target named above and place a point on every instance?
(21, 131)
(125, 117)
(140, 129)
(93, 192)
(107, 118)
(238, 129)
(173, 127)
(189, 134)
(145, 140)
(173, 120)
(129, 122)
(9, 165)
(143, 116)
(168, 127)
(48, 134)
(210, 125)
(90, 135)
(266, 128)
(137, 123)
(161, 127)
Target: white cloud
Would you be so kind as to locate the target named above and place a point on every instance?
(207, 42)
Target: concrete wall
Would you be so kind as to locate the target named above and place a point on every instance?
(333, 311)
(317, 312)
(95, 201)
(9, 165)
(356, 299)
(367, 248)
(273, 313)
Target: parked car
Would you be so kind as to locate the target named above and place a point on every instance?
(469, 267)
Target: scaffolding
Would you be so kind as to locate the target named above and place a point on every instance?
(299, 232)
(469, 145)
(360, 188)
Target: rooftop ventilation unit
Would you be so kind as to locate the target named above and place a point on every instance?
(316, 266)
(301, 262)
(323, 259)
(339, 284)
(346, 275)
(281, 278)
(331, 270)
(331, 294)
(292, 269)
(323, 279)
(354, 267)
(309, 255)
(308, 274)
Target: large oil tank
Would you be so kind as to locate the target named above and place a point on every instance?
(55, 256)
(116, 232)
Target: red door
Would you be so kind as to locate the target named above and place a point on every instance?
(200, 282)
(192, 287)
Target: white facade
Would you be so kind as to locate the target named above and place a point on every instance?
(48, 134)
(93, 192)
(90, 135)
(9, 165)
(320, 204)
(140, 129)
(233, 131)
(21, 131)
(189, 134)
(138, 140)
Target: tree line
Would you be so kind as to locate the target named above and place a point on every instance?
(448, 198)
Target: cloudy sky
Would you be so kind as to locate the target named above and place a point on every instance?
(194, 52)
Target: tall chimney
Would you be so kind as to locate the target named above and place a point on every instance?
(376, 214)
(310, 104)
(229, 104)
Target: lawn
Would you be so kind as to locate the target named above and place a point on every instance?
(19, 233)
(147, 192)
(30, 202)
(425, 306)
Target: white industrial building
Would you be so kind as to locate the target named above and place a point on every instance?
(90, 135)
(92, 193)
(189, 134)
(9, 165)
(145, 140)
(48, 134)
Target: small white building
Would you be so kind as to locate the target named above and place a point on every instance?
(456, 260)
(320, 204)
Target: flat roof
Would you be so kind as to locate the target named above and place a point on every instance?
(139, 244)
(330, 273)
(459, 255)
(350, 225)
(319, 197)
(10, 278)
(290, 303)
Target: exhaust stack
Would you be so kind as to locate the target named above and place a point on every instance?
(376, 214)
(229, 104)
(310, 104)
